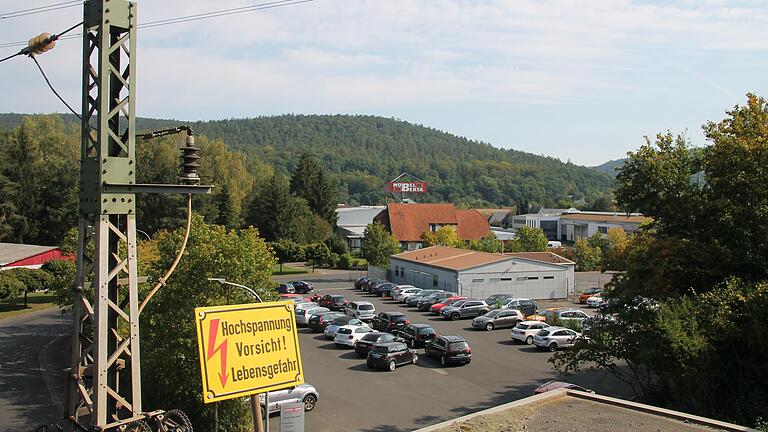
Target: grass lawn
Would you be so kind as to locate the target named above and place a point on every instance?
(35, 301)
(287, 270)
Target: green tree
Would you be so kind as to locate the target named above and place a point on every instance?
(588, 257)
(309, 181)
(32, 279)
(318, 254)
(531, 239)
(379, 245)
(274, 211)
(10, 287)
(170, 364)
(690, 304)
(285, 251)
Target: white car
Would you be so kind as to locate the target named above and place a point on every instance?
(306, 305)
(594, 301)
(330, 329)
(347, 335)
(397, 289)
(405, 293)
(361, 310)
(303, 314)
(525, 331)
(553, 338)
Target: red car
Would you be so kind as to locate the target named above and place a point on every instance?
(437, 307)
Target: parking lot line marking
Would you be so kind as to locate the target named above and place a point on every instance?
(440, 371)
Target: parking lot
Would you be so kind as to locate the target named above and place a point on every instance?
(354, 398)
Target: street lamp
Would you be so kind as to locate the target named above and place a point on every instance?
(226, 282)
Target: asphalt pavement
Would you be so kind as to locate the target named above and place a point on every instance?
(34, 350)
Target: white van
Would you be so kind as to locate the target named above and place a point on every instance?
(362, 310)
(553, 244)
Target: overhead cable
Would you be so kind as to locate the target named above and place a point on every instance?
(40, 9)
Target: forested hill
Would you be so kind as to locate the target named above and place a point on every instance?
(363, 152)
(611, 166)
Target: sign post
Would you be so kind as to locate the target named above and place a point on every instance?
(292, 417)
(248, 349)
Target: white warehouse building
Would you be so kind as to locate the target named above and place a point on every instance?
(534, 275)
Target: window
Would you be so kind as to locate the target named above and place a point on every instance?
(533, 278)
(506, 279)
(522, 278)
(478, 280)
(494, 280)
(602, 230)
(434, 281)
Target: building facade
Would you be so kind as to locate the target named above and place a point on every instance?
(476, 274)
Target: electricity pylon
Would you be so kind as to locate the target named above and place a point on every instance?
(104, 387)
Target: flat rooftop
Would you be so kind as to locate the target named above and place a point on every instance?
(571, 411)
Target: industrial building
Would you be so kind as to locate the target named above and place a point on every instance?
(534, 275)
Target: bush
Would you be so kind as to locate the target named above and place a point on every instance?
(345, 262)
(32, 279)
(10, 287)
(63, 277)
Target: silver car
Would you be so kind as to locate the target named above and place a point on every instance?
(303, 315)
(470, 308)
(304, 393)
(498, 318)
(554, 338)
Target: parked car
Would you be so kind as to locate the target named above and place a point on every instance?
(304, 393)
(553, 338)
(497, 300)
(589, 293)
(305, 305)
(303, 315)
(397, 289)
(427, 302)
(302, 287)
(554, 385)
(526, 306)
(388, 321)
(390, 355)
(414, 299)
(470, 308)
(360, 309)
(498, 318)
(349, 334)
(416, 335)
(525, 331)
(449, 349)
(403, 294)
(371, 288)
(360, 281)
(330, 329)
(335, 302)
(437, 307)
(383, 290)
(366, 343)
(285, 288)
(319, 321)
(595, 301)
(565, 315)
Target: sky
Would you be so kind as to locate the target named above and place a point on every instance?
(579, 80)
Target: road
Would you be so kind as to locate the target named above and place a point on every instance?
(32, 348)
(352, 398)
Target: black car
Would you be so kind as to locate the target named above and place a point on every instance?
(302, 287)
(360, 281)
(384, 289)
(388, 321)
(426, 303)
(319, 322)
(449, 349)
(285, 288)
(364, 345)
(334, 302)
(372, 286)
(390, 355)
(416, 335)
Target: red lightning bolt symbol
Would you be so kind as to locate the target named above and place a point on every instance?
(213, 331)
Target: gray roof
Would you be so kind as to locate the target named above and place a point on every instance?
(12, 252)
(357, 216)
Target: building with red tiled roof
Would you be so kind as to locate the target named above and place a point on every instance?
(407, 221)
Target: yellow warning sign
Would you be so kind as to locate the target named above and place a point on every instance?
(247, 349)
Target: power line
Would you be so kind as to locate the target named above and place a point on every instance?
(188, 18)
(29, 49)
(40, 9)
(53, 89)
